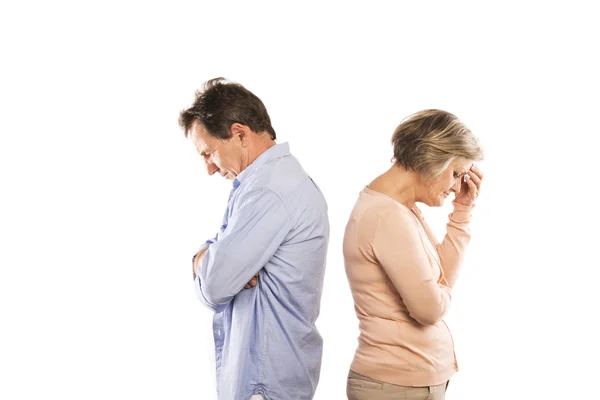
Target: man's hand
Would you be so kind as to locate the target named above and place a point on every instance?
(196, 261)
(252, 282)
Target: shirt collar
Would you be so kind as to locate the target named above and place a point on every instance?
(274, 152)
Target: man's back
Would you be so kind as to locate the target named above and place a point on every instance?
(266, 339)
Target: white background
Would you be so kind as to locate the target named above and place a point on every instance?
(103, 201)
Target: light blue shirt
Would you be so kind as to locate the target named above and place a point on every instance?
(266, 341)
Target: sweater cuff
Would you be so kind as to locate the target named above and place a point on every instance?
(461, 212)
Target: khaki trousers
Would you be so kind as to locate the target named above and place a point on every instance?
(360, 387)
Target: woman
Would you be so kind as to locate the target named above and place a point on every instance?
(401, 278)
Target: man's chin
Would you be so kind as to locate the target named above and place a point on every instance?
(227, 175)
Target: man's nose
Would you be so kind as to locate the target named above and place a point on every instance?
(211, 167)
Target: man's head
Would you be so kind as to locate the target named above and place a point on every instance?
(229, 126)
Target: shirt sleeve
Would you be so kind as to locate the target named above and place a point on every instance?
(255, 230)
(197, 286)
(205, 245)
(398, 247)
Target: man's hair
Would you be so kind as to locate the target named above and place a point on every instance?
(221, 104)
(426, 142)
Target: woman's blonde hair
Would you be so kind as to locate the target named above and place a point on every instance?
(427, 141)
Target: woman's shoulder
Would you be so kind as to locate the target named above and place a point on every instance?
(376, 206)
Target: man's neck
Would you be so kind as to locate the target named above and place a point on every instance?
(261, 144)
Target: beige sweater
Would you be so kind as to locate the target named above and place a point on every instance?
(401, 280)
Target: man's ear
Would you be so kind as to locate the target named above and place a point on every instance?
(241, 132)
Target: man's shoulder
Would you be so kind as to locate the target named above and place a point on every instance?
(282, 176)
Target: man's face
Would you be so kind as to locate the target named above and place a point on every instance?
(220, 155)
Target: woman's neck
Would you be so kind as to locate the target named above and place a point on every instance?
(399, 184)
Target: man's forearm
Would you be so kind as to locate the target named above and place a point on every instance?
(196, 260)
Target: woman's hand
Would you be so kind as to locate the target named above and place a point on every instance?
(470, 186)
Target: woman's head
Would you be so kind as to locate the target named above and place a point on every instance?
(437, 146)
(429, 140)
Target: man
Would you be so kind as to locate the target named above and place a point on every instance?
(262, 274)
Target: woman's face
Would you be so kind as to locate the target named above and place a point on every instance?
(450, 180)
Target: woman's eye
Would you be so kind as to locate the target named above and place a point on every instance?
(455, 175)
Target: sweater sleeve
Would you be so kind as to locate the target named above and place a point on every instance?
(398, 247)
(452, 249)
